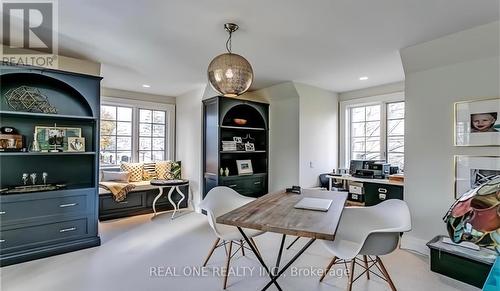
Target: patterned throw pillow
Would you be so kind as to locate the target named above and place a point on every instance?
(149, 171)
(163, 169)
(168, 170)
(135, 170)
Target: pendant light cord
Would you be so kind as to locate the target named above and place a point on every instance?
(228, 43)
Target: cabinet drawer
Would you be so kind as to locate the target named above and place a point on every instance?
(134, 199)
(18, 211)
(42, 233)
(248, 186)
(376, 193)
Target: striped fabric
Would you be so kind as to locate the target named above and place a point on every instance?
(149, 171)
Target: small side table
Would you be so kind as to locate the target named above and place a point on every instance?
(174, 185)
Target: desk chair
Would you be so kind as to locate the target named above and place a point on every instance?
(219, 201)
(369, 231)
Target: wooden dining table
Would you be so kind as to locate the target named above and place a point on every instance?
(275, 212)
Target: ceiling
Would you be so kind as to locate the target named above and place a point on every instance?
(325, 43)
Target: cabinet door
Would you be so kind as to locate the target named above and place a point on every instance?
(376, 193)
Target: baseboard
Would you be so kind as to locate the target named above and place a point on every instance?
(47, 251)
(414, 244)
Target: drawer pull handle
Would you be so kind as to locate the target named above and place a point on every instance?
(382, 190)
(67, 229)
(256, 183)
(232, 186)
(2, 212)
(68, 205)
(2, 240)
(123, 202)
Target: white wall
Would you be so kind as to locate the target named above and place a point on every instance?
(318, 131)
(124, 94)
(458, 67)
(189, 139)
(372, 91)
(283, 134)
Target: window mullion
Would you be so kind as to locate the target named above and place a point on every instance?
(383, 131)
(135, 134)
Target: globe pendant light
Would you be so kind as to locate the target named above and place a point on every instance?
(230, 74)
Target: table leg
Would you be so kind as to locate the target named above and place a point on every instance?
(179, 202)
(256, 253)
(156, 199)
(171, 201)
(274, 278)
(279, 254)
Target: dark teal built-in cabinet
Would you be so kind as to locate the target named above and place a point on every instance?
(44, 223)
(219, 115)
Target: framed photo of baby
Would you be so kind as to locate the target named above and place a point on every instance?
(477, 123)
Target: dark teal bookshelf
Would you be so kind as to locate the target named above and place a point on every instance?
(39, 224)
(218, 125)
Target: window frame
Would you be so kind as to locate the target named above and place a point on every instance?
(136, 105)
(345, 122)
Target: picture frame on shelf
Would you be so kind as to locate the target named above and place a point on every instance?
(55, 138)
(477, 123)
(237, 139)
(472, 171)
(249, 147)
(76, 144)
(244, 167)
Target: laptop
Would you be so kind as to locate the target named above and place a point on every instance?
(317, 204)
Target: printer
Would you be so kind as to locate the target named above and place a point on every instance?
(369, 169)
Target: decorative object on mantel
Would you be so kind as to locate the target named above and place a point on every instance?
(228, 73)
(477, 123)
(55, 138)
(475, 216)
(240, 121)
(226, 172)
(244, 167)
(10, 140)
(29, 99)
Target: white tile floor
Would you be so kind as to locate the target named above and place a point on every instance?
(133, 248)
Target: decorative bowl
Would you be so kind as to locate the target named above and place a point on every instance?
(240, 121)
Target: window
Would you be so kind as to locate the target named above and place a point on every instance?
(395, 134)
(365, 133)
(135, 132)
(151, 135)
(374, 130)
(116, 134)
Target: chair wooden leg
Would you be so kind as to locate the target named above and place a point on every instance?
(386, 274)
(350, 275)
(328, 268)
(366, 266)
(211, 251)
(228, 260)
(242, 247)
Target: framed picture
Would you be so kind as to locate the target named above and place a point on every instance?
(54, 137)
(237, 139)
(76, 144)
(244, 167)
(249, 147)
(472, 171)
(477, 123)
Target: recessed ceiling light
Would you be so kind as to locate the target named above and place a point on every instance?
(364, 78)
(146, 85)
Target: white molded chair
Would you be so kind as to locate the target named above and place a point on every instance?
(369, 231)
(221, 200)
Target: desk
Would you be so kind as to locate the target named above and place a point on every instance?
(275, 212)
(373, 191)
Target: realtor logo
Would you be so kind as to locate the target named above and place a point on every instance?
(29, 33)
